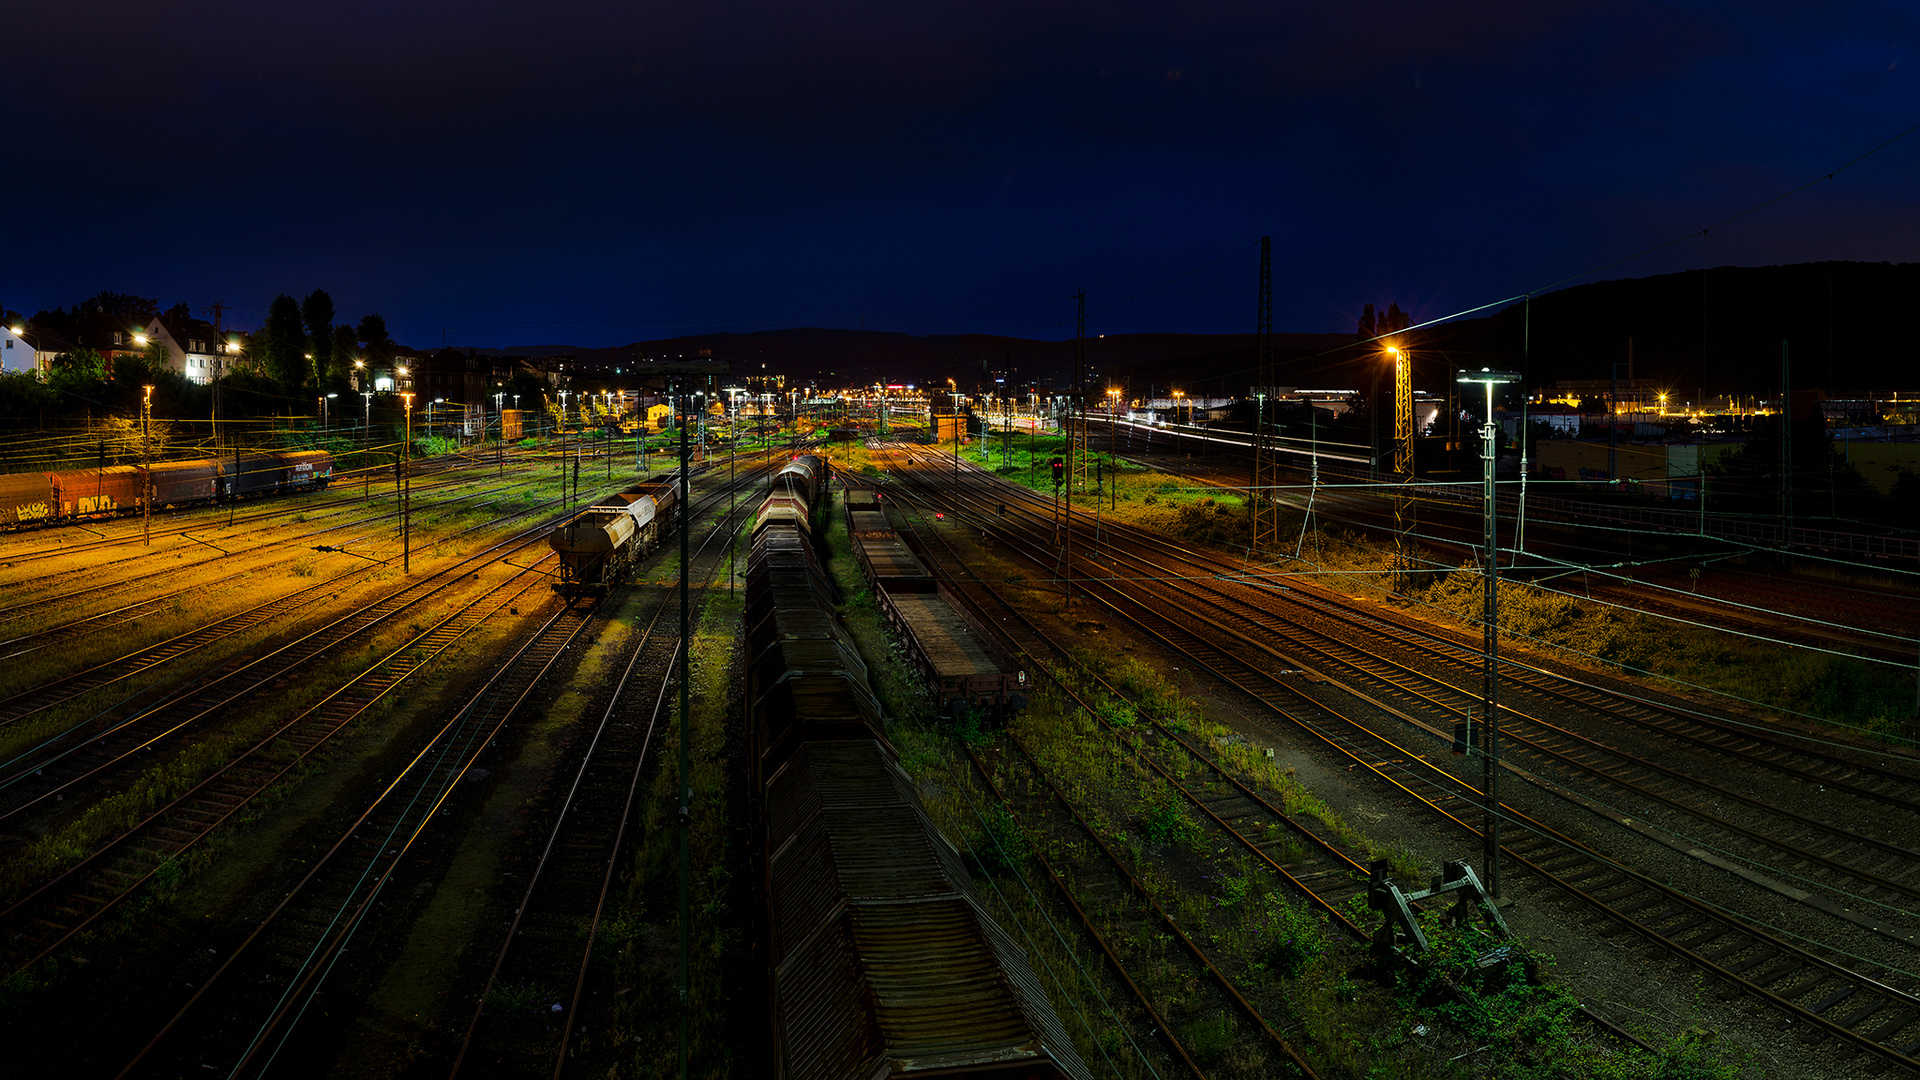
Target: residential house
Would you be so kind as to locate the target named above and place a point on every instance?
(29, 348)
(193, 347)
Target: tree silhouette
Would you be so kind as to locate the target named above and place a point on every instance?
(281, 343)
(373, 337)
(316, 311)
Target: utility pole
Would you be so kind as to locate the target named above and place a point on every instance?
(1266, 463)
(1076, 431)
(1613, 418)
(1490, 639)
(686, 757)
(219, 365)
(1405, 510)
(1786, 449)
(146, 464)
(406, 491)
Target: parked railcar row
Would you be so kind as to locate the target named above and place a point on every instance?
(882, 961)
(966, 666)
(600, 544)
(50, 497)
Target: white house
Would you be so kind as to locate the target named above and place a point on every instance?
(192, 349)
(26, 349)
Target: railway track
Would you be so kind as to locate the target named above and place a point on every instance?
(93, 582)
(1832, 615)
(63, 689)
(545, 952)
(1300, 855)
(1126, 913)
(49, 917)
(60, 911)
(269, 998)
(1881, 1023)
(183, 521)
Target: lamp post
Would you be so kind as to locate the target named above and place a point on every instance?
(1490, 633)
(324, 419)
(953, 400)
(406, 490)
(500, 413)
(1113, 443)
(146, 464)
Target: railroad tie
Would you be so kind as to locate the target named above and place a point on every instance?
(1765, 955)
(1731, 948)
(1833, 999)
(1892, 1026)
(1862, 1014)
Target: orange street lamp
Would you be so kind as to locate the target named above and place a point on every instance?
(146, 463)
(406, 490)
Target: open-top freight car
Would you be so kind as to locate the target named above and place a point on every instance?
(600, 544)
(964, 664)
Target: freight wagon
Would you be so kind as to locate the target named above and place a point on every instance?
(599, 545)
(963, 663)
(51, 497)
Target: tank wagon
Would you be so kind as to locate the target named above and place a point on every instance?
(964, 664)
(53, 497)
(600, 544)
(882, 961)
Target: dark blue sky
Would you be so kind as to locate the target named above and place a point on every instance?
(594, 173)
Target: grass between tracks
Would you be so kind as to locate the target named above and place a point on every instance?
(1448, 1019)
(1869, 699)
(638, 945)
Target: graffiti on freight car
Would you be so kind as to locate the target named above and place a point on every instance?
(94, 504)
(33, 511)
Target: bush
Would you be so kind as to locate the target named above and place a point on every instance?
(1167, 822)
(999, 846)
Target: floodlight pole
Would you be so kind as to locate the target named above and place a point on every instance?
(406, 490)
(146, 464)
(1490, 633)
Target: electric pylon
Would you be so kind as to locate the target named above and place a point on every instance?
(1076, 434)
(1265, 507)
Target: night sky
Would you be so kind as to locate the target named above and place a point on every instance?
(593, 173)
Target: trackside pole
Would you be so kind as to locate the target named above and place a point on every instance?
(686, 760)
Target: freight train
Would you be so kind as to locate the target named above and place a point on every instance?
(600, 544)
(33, 498)
(882, 960)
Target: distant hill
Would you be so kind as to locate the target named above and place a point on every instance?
(1719, 330)
(857, 357)
(1704, 333)
(1716, 331)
